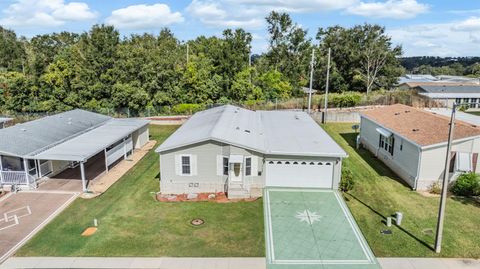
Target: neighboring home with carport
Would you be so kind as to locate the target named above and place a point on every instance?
(413, 142)
(239, 151)
(77, 140)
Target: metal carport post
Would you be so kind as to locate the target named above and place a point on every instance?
(82, 172)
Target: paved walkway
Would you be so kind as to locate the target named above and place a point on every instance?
(138, 263)
(102, 183)
(212, 263)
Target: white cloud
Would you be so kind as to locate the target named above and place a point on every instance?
(144, 17)
(44, 13)
(470, 24)
(454, 38)
(75, 11)
(299, 6)
(396, 9)
(250, 14)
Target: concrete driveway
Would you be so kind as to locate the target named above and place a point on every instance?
(25, 213)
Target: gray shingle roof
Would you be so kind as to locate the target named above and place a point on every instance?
(450, 89)
(26, 138)
(268, 132)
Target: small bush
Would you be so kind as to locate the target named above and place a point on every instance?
(186, 109)
(435, 188)
(347, 182)
(467, 184)
(346, 99)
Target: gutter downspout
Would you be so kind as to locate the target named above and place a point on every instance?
(415, 184)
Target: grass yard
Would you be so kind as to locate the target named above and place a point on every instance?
(379, 193)
(132, 223)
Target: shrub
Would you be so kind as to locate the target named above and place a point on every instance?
(187, 108)
(346, 99)
(467, 184)
(435, 188)
(347, 182)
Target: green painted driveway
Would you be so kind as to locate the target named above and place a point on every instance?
(313, 228)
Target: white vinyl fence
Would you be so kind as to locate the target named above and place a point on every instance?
(16, 178)
(119, 151)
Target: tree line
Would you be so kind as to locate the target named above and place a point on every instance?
(100, 69)
(455, 66)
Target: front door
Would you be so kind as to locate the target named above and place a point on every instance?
(236, 172)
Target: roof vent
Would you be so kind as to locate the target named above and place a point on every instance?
(23, 130)
(247, 131)
(397, 113)
(415, 129)
(296, 117)
(238, 128)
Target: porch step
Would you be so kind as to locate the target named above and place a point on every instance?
(238, 193)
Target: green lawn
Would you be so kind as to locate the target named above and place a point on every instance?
(379, 193)
(132, 223)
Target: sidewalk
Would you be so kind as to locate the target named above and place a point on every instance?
(212, 263)
(428, 263)
(138, 263)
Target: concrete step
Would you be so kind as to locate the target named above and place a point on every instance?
(237, 193)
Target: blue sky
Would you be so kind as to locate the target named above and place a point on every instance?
(422, 27)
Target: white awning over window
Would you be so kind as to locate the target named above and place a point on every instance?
(235, 159)
(384, 132)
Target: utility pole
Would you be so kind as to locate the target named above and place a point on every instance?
(443, 198)
(326, 87)
(312, 62)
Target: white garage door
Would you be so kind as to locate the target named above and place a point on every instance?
(305, 174)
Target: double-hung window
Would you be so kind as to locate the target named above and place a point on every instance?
(186, 165)
(248, 166)
(225, 166)
(387, 143)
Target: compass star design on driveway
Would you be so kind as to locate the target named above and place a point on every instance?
(308, 216)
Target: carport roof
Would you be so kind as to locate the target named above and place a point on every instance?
(270, 132)
(86, 145)
(29, 137)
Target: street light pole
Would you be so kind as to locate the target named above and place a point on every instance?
(446, 175)
(312, 62)
(326, 87)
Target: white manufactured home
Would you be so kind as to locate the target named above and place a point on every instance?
(413, 143)
(239, 151)
(75, 140)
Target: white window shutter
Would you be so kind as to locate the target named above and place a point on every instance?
(193, 160)
(178, 165)
(254, 166)
(219, 165)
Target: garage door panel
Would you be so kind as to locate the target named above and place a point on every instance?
(299, 174)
